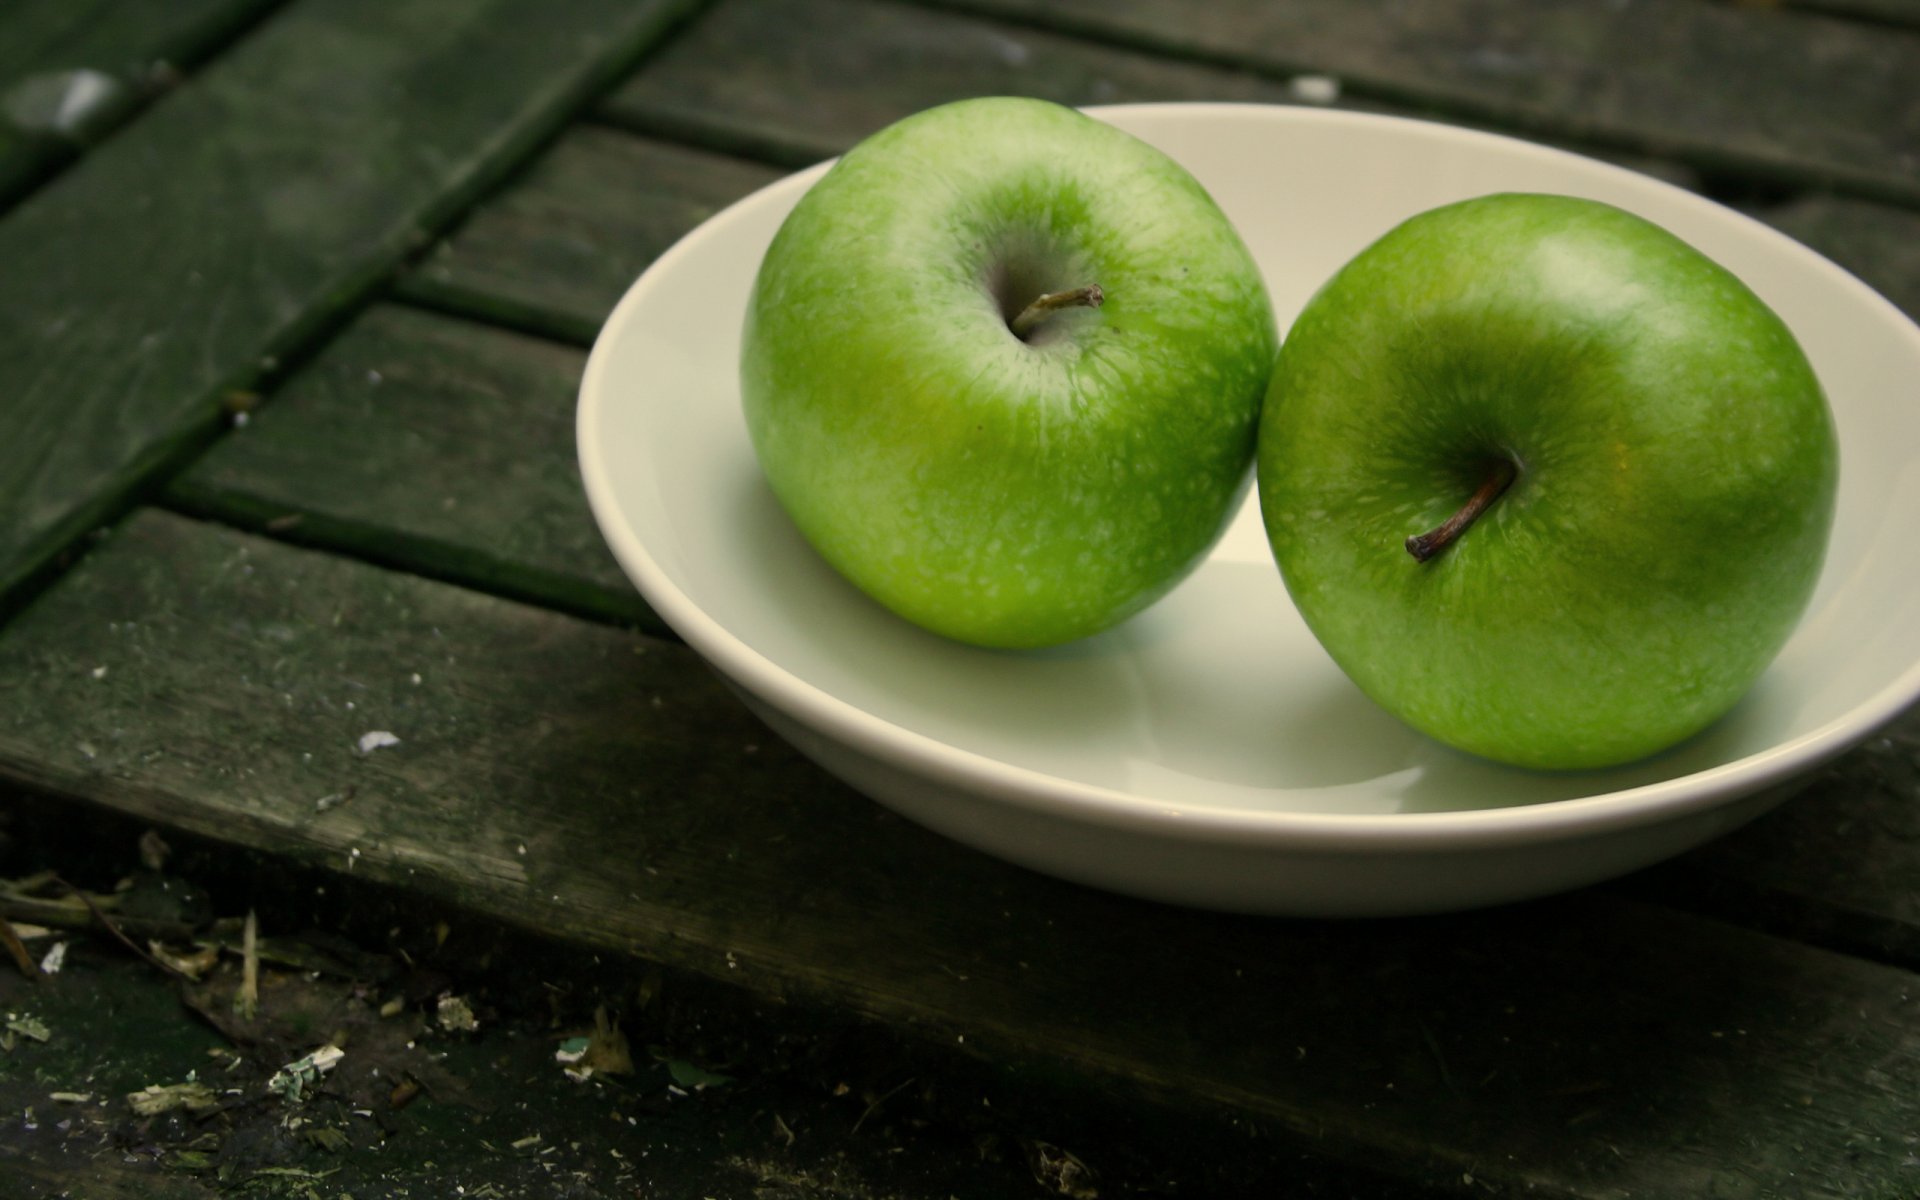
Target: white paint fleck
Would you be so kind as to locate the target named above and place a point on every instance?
(60, 102)
(1315, 89)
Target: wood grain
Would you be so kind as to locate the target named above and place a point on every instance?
(606, 789)
(555, 250)
(116, 37)
(1878, 243)
(288, 177)
(429, 443)
(730, 81)
(1894, 12)
(71, 71)
(1775, 93)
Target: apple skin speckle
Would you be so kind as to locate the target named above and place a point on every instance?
(1009, 491)
(1677, 472)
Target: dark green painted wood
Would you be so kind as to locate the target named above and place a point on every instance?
(125, 38)
(607, 789)
(72, 69)
(1879, 244)
(23, 160)
(1839, 864)
(732, 80)
(1894, 12)
(245, 213)
(556, 250)
(1775, 93)
(428, 442)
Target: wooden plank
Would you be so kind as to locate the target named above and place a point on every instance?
(69, 72)
(1879, 244)
(1893, 12)
(731, 80)
(1779, 94)
(288, 177)
(435, 444)
(728, 82)
(607, 789)
(1836, 866)
(123, 38)
(555, 251)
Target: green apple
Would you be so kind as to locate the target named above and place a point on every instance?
(1545, 481)
(1003, 367)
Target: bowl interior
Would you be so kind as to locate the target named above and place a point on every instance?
(1218, 698)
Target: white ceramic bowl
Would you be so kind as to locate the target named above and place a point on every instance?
(1208, 752)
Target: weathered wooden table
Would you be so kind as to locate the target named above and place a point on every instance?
(294, 297)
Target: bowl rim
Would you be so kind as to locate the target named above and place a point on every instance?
(986, 777)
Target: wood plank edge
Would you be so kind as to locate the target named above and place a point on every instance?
(1458, 107)
(26, 164)
(1175, 1128)
(761, 953)
(36, 158)
(765, 972)
(199, 42)
(717, 135)
(1780, 913)
(187, 435)
(42, 561)
(25, 572)
(429, 558)
(739, 138)
(416, 289)
(511, 154)
(1859, 12)
(1748, 904)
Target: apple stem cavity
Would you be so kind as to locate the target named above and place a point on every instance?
(1090, 296)
(1500, 474)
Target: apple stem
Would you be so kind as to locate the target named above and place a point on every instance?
(1424, 546)
(1090, 296)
